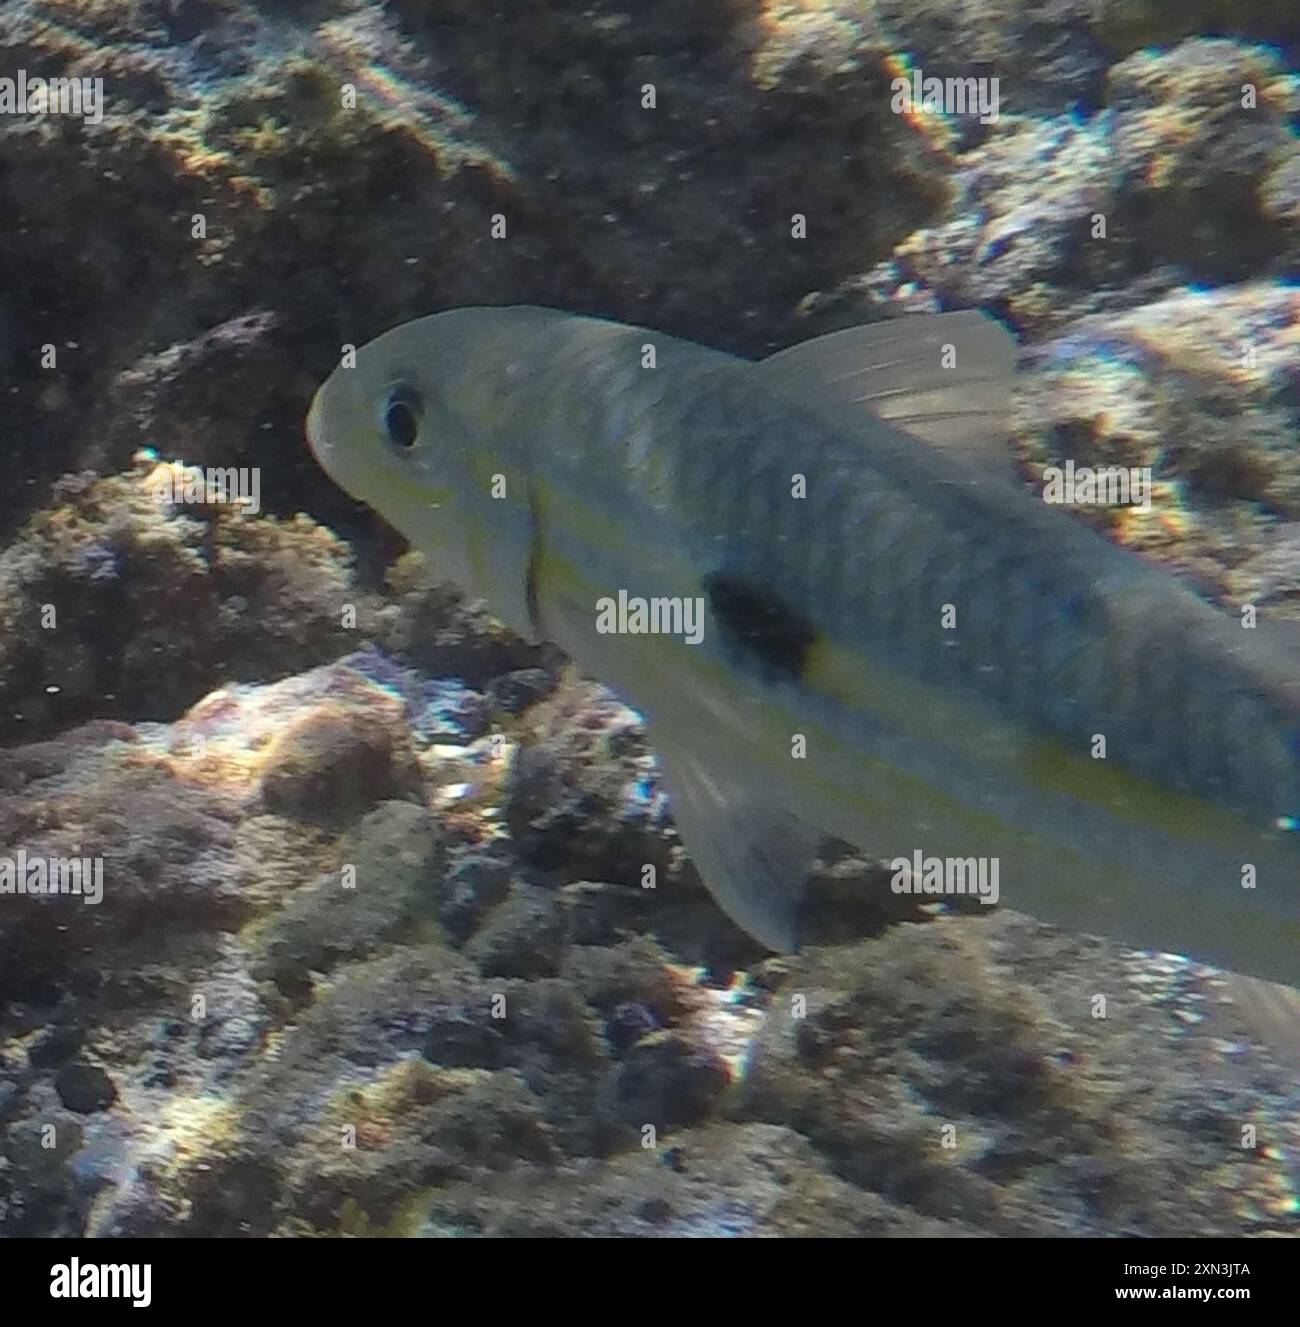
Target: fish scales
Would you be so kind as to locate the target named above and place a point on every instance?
(822, 620)
(898, 556)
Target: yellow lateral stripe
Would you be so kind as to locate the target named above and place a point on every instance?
(907, 795)
(840, 675)
(585, 522)
(1017, 755)
(1034, 760)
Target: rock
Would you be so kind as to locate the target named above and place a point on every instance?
(332, 765)
(667, 1081)
(389, 865)
(515, 692)
(475, 882)
(523, 936)
(84, 1088)
(55, 1045)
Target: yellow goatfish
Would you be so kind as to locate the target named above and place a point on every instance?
(839, 618)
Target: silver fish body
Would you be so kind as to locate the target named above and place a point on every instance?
(897, 647)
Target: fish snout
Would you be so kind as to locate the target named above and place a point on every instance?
(315, 425)
(327, 436)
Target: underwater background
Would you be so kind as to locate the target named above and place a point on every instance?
(373, 955)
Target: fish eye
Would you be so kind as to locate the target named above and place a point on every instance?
(400, 416)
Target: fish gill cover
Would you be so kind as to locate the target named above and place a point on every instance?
(330, 904)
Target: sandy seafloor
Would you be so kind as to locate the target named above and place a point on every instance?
(233, 1043)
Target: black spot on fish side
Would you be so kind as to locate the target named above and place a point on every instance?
(760, 624)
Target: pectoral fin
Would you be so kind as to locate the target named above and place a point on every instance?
(1269, 1013)
(751, 853)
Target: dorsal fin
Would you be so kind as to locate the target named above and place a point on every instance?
(897, 369)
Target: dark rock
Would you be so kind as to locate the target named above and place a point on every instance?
(667, 1081)
(598, 913)
(523, 937)
(85, 1088)
(516, 691)
(627, 1025)
(55, 1045)
(476, 881)
(460, 1038)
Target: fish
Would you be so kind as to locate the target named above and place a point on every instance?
(893, 641)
